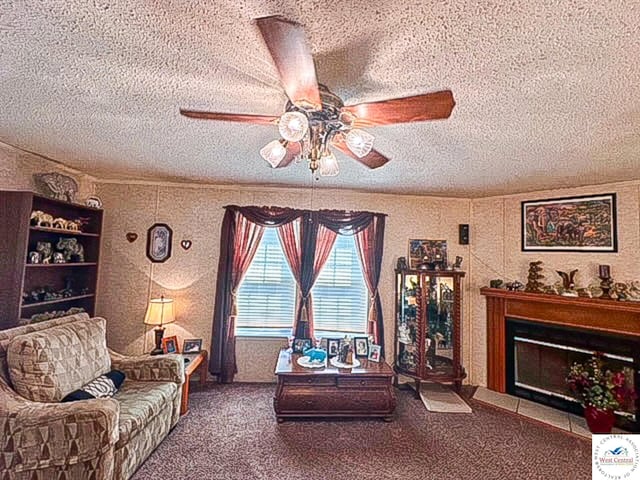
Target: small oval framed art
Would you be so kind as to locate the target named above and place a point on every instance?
(159, 242)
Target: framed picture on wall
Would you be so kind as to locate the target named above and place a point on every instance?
(570, 224)
(159, 238)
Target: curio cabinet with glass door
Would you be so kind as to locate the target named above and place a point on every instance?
(428, 326)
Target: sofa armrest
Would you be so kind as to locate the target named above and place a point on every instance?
(41, 435)
(168, 368)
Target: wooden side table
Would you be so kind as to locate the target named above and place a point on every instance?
(197, 362)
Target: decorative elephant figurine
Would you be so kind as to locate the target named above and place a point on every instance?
(72, 250)
(316, 354)
(59, 223)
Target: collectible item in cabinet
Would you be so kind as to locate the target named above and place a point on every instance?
(428, 326)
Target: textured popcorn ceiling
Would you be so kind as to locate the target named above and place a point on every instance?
(547, 92)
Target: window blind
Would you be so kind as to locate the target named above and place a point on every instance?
(266, 297)
(340, 302)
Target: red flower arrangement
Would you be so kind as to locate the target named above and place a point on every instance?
(599, 387)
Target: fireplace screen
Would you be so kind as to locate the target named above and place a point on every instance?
(539, 359)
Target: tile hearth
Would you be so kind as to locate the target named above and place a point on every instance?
(541, 413)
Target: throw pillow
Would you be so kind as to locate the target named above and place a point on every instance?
(105, 386)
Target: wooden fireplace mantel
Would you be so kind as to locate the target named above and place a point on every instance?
(606, 316)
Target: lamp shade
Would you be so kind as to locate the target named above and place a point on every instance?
(329, 165)
(293, 126)
(273, 152)
(160, 311)
(359, 142)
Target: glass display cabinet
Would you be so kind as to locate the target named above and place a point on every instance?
(428, 326)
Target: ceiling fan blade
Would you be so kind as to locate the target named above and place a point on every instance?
(293, 149)
(418, 108)
(287, 44)
(373, 159)
(231, 117)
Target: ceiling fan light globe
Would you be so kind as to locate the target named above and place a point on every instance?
(273, 152)
(359, 142)
(329, 165)
(293, 126)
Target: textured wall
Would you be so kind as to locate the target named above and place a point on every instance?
(17, 168)
(496, 251)
(195, 212)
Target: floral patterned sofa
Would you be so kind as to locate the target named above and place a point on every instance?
(97, 439)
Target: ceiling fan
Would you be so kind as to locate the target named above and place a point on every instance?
(315, 118)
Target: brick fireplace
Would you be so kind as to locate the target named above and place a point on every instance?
(532, 339)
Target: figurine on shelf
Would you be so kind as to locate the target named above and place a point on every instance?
(73, 225)
(41, 219)
(402, 263)
(634, 291)
(620, 292)
(568, 283)
(35, 257)
(60, 223)
(58, 257)
(514, 286)
(497, 283)
(533, 283)
(58, 186)
(584, 292)
(46, 251)
(34, 221)
(73, 250)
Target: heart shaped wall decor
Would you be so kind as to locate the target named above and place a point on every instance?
(186, 244)
(131, 237)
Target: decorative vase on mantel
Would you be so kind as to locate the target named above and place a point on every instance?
(598, 420)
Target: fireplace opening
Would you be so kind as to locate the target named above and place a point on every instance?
(538, 358)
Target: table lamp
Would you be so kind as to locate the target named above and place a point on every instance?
(159, 312)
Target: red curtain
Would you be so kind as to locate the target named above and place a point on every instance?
(244, 237)
(369, 243)
(307, 246)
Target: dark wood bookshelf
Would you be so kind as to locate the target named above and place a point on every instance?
(18, 237)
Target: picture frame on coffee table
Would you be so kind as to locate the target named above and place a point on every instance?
(361, 347)
(301, 344)
(333, 347)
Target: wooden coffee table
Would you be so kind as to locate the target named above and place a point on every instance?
(197, 362)
(366, 391)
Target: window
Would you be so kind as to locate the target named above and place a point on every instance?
(266, 297)
(340, 295)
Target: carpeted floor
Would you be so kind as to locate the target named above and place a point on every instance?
(231, 433)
